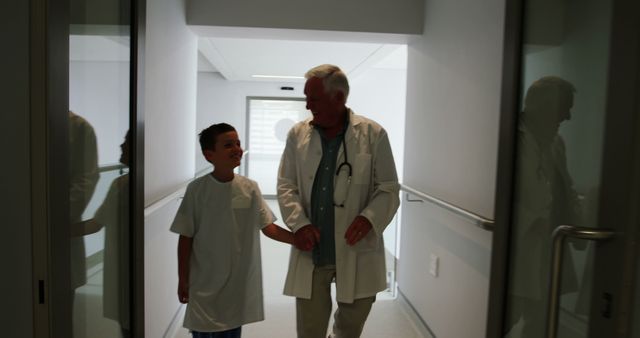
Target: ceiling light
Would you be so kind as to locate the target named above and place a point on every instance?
(277, 77)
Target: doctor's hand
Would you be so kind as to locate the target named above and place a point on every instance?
(359, 228)
(306, 237)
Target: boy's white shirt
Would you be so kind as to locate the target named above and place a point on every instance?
(225, 279)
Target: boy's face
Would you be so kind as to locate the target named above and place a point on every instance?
(227, 153)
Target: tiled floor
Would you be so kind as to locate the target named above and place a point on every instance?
(387, 318)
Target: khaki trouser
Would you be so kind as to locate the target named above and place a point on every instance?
(313, 314)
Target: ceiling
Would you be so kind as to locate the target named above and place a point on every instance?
(239, 56)
(240, 59)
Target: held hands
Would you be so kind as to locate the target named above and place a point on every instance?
(306, 237)
(359, 228)
(183, 292)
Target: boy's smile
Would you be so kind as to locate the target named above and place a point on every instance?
(227, 154)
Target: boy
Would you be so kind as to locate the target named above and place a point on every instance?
(219, 268)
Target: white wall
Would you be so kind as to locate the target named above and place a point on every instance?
(380, 94)
(220, 100)
(454, 303)
(170, 114)
(453, 94)
(161, 271)
(398, 16)
(170, 98)
(99, 92)
(15, 180)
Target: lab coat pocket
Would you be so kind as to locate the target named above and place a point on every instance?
(362, 169)
(370, 242)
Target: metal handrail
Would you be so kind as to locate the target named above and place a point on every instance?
(558, 237)
(110, 167)
(176, 194)
(481, 222)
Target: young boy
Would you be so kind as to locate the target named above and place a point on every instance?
(219, 268)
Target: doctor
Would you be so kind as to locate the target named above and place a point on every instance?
(337, 190)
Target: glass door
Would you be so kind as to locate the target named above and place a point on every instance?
(561, 244)
(100, 157)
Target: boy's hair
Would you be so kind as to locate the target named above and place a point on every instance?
(209, 135)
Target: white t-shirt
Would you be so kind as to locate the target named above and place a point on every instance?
(113, 214)
(225, 280)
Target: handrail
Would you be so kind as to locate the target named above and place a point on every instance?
(481, 222)
(157, 205)
(153, 207)
(110, 167)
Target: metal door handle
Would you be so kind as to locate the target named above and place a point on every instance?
(558, 237)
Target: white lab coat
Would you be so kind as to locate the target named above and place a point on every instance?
(535, 197)
(372, 193)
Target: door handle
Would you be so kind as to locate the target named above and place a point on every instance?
(558, 238)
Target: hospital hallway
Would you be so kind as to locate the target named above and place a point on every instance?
(513, 127)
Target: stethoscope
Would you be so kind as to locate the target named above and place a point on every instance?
(343, 164)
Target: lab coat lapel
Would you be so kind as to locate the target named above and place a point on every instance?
(349, 138)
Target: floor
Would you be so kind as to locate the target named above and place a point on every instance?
(387, 318)
(87, 310)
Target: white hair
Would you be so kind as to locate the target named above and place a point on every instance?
(333, 78)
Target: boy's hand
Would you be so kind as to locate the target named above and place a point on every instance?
(183, 292)
(306, 237)
(359, 228)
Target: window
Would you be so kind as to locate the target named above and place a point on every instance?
(269, 121)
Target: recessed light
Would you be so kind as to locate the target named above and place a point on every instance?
(277, 77)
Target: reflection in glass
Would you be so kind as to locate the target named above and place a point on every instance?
(83, 178)
(557, 161)
(99, 76)
(545, 198)
(113, 215)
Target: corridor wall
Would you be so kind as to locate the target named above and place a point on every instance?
(453, 95)
(169, 107)
(171, 56)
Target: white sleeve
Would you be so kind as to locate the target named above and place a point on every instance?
(184, 223)
(264, 213)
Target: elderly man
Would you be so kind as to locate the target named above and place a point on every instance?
(337, 190)
(544, 199)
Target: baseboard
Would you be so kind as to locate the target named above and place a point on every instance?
(418, 322)
(176, 322)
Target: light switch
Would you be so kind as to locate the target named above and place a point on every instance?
(433, 265)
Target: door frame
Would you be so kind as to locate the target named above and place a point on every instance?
(49, 105)
(620, 172)
(509, 108)
(620, 176)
